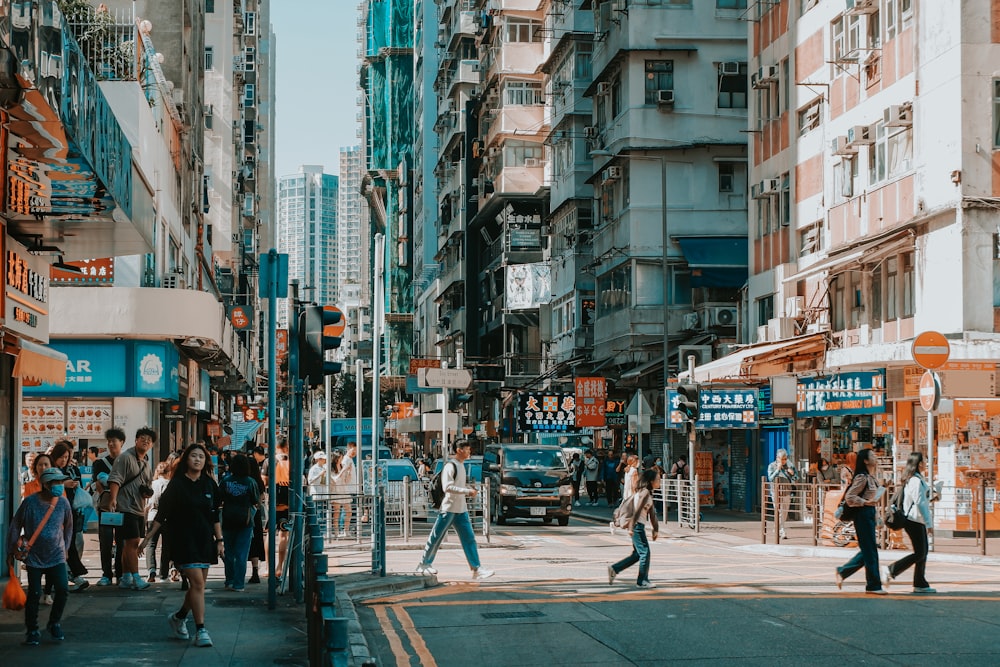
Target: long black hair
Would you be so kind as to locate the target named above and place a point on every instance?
(861, 465)
(912, 465)
(647, 479)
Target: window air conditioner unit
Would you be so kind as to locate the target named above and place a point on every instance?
(717, 316)
(603, 88)
(590, 132)
(611, 174)
(690, 321)
(762, 334)
(730, 69)
(532, 162)
(665, 98)
(861, 135)
(898, 115)
(780, 328)
(769, 187)
(173, 281)
(767, 74)
(841, 146)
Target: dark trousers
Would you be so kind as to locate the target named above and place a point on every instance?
(576, 489)
(76, 566)
(592, 490)
(58, 577)
(611, 491)
(918, 559)
(106, 539)
(640, 554)
(867, 556)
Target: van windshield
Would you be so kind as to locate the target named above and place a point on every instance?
(534, 459)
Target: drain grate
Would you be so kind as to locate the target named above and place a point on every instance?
(513, 614)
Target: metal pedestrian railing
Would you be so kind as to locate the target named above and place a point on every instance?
(682, 495)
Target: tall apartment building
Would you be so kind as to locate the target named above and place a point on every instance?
(354, 273)
(307, 233)
(873, 220)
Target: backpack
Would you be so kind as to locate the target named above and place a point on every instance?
(437, 487)
(894, 516)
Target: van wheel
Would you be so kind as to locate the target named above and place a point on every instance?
(498, 518)
(563, 520)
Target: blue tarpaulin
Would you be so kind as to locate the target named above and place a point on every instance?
(716, 261)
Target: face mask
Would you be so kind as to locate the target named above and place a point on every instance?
(57, 489)
(658, 461)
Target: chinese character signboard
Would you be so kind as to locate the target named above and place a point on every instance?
(614, 415)
(842, 394)
(720, 408)
(93, 272)
(591, 400)
(546, 412)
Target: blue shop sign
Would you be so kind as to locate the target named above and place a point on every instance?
(546, 412)
(145, 369)
(842, 394)
(720, 408)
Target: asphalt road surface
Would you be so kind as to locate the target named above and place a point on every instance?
(718, 600)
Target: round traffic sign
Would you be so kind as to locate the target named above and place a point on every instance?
(338, 328)
(930, 391)
(931, 349)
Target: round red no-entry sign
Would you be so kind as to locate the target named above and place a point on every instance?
(930, 391)
(931, 349)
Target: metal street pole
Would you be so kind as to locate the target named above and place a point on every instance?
(378, 326)
(295, 442)
(272, 413)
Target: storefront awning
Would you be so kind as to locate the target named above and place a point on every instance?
(754, 361)
(716, 261)
(37, 363)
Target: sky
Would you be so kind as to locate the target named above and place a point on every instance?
(316, 82)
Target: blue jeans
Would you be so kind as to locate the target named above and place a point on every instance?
(867, 556)
(237, 545)
(56, 576)
(640, 554)
(465, 534)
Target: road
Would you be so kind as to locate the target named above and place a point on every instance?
(717, 599)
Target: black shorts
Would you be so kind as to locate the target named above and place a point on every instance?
(133, 527)
(281, 519)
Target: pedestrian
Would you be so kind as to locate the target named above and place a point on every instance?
(825, 474)
(641, 511)
(780, 475)
(62, 458)
(111, 553)
(240, 497)
(159, 485)
(282, 488)
(44, 521)
(847, 470)
(591, 472)
(342, 492)
(575, 474)
(679, 470)
(38, 464)
(613, 478)
(454, 511)
(630, 482)
(916, 506)
(257, 551)
(189, 515)
(863, 495)
(131, 482)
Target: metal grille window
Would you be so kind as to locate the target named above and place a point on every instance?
(209, 57)
(733, 88)
(659, 76)
(522, 30)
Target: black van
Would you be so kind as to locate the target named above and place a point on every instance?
(528, 482)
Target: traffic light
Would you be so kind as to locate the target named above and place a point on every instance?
(690, 401)
(313, 345)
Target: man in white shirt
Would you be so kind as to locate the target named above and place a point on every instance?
(455, 511)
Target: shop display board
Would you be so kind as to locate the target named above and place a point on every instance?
(44, 422)
(704, 468)
(968, 449)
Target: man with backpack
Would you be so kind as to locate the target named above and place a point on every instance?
(101, 491)
(454, 511)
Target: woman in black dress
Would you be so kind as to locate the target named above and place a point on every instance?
(189, 515)
(257, 552)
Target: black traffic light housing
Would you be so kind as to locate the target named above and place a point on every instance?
(690, 401)
(313, 366)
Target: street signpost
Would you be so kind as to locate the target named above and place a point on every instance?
(930, 350)
(444, 378)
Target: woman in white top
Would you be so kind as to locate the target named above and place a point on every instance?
(917, 509)
(341, 487)
(317, 477)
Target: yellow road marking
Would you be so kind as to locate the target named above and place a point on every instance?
(416, 639)
(395, 644)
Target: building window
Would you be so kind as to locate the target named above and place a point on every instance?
(582, 62)
(249, 59)
(249, 23)
(727, 176)
(785, 202)
(614, 291)
(765, 309)
(209, 115)
(730, 4)
(809, 117)
(909, 300)
(249, 94)
(659, 76)
(891, 289)
(209, 6)
(733, 87)
(996, 113)
(209, 57)
(523, 93)
(523, 30)
(811, 239)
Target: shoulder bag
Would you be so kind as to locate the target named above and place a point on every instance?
(22, 549)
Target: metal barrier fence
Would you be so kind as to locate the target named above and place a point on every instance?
(326, 632)
(681, 494)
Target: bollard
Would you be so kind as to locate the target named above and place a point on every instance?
(321, 565)
(326, 591)
(334, 631)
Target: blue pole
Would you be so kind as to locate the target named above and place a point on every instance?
(272, 416)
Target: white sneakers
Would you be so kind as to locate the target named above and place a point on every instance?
(611, 574)
(646, 584)
(425, 570)
(178, 626)
(201, 638)
(886, 576)
(482, 573)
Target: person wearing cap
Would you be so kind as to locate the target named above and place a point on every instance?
(454, 511)
(111, 557)
(317, 477)
(47, 555)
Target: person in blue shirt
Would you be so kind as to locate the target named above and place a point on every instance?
(612, 488)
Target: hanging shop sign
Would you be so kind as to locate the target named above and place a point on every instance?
(546, 412)
(591, 401)
(614, 415)
(141, 369)
(842, 394)
(26, 292)
(719, 408)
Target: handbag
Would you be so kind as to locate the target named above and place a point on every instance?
(22, 548)
(82, 500)
(893, 515)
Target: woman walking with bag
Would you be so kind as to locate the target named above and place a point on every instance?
(641, 507)
(189, 513)
(916, 508)
(62, 458)
(240, 497)
(862, 496)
